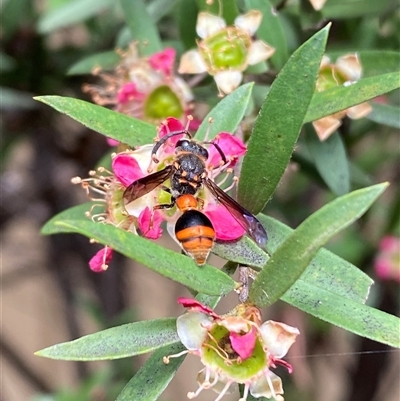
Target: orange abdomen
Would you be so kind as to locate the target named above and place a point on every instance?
(196, 234)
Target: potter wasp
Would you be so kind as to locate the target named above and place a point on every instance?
(188, 174)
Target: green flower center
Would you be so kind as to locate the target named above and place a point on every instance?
(116, 209)
(219, 353)
(162, 103)
(226, 49)
(329, 77)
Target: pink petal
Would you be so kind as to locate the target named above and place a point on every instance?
(243, 344)
(144, 219)
(171, 124)
(112, 142)
(163, 61)
(99, 262)
(128, 92)
(126, 169)
(194, 305)
(231, 146)
(226, 227)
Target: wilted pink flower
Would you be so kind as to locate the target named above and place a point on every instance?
(144, 87)
(236, 348)
(387, 262)
(226, 51)
(101, 260)
(346, 71)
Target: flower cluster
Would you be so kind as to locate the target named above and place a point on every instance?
(144, 87)
(226, 51)
(346, 71)
(139, 215)
(235, 348)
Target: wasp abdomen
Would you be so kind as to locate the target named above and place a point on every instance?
(196, 234)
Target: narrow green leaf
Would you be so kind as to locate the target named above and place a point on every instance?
(227, 9)
(385, 114)
(326, 270)
(72, 12)
(115, 125)
(154, 376)
(330, 160)
(227, 114)
(343, 312)
(378, 62)
(142, 27)
(271, 31)
(180, 268)
(333, 100)
(187, 18)
(343, 9)
(117, 342)
(278, 124)
(290, 260)
(105, 60)
(373, 62)
(160, 8)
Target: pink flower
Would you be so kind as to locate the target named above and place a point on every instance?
(144, 87)
(236, 348)
(387, 262)
(225, 225)
(99, 262)
(230, 145)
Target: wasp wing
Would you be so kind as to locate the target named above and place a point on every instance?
(246, 219)
(146, 184)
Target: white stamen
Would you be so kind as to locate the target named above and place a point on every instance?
(271, 386)
(224, 390)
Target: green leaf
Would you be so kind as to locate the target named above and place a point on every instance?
(104, 60)
(154, 376)
(142, 27)
(378, 62)
(117, 342)
(275, 134)
(343, 312)
(341, 9)
(385, 114)
(341, 97)
(271, 31)
(160, 8)
(292, 257)
(330, 160)
(186, 21)
(180, 268)
(325, 271)
(227, 114)
(227, 9)
(115, 125)
(72, 12)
